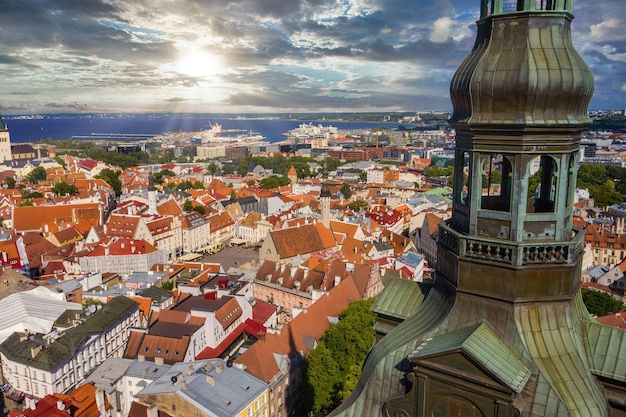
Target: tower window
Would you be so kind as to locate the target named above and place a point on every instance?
(542, 185)
(462, 175)
(496, 183)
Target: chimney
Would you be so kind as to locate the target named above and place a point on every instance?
(337, 280)
(184, 385)
(141, 358)
(158, 361)
(152, 411)
(35, 351)
(100, 402)
(219, 368)
(190, 370)
(210, 379)
(60, 405)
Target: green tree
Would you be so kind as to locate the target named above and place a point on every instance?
(112, 178)
(435, 171)
(91, 302)
(321, 377)
(333, 368)
(346, 190)
(242, 169)
(200, 209)
(213, 168)
(273, 182)
(158, 176)
(26, 202)
(358, 205)
(29, 195)
(168, 285)
(36, 175)
(606, 195)
(63, 188)
(60, 161)
(188, 205)
(10, 182)
(599, 303)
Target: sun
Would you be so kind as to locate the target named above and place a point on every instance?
(199, 63)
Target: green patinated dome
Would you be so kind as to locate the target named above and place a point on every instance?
(523, 71)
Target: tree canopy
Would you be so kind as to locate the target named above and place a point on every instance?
(63, 188)
(274, 181)
(334, 366)
(36, 175)
(346, 190)
(599, 303)
(606, 183)
(112, 178)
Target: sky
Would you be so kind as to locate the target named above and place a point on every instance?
(261, 56)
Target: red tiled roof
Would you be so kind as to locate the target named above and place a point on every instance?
(32, 217)
(123, 246)
(301, 240)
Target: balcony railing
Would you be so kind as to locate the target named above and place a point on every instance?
(515, 254)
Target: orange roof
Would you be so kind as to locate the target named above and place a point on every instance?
(82, 401)
(145, 304)
(171, 349)
(302, 239)
(169, 207)
(27, 218)
(298, 335)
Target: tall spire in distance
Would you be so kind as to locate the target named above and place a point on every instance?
(325, 197)
(5, 142)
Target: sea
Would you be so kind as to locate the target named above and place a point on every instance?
(34, 128)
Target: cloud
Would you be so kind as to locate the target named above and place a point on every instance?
(304, 54)
(442, 29)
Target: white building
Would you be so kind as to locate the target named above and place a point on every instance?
(57, 362)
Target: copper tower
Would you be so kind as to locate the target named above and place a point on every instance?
(503, 330)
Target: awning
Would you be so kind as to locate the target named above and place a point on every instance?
(190, 257)
(254, 328)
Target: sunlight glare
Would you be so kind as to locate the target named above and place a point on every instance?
(199, 63)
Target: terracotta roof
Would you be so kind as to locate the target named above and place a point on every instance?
(32, 217)
(617, 319)
(69, 235)
(300, 335)
(229, 313)
(301, 240)
(122, 225)
(171, 349)
(140, 410)
(123, 246)
(220, 221)
(169, 207)
(160, 225)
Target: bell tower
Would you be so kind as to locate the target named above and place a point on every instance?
(520, 107)
(503, 330)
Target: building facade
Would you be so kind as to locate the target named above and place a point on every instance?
(58, 362)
